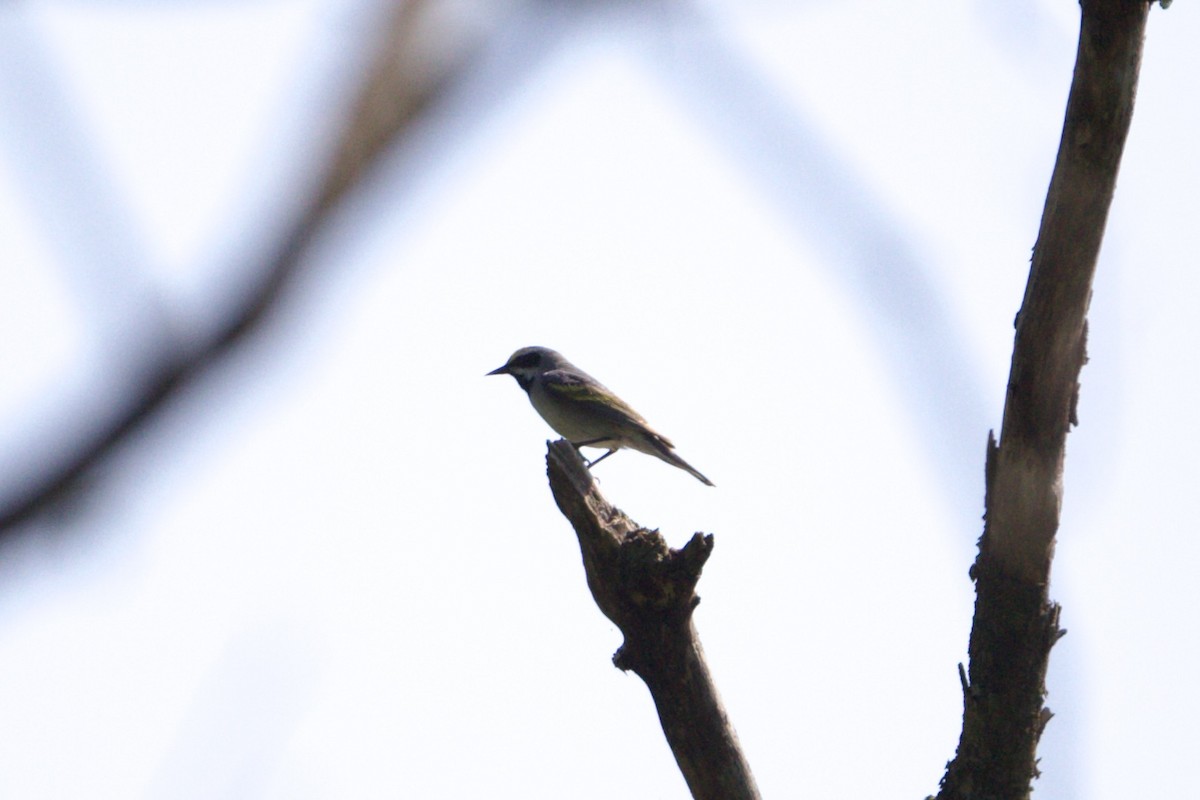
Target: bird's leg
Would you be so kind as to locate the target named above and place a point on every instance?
(591, 464)
(589, 443)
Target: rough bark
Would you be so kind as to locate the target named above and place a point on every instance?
(648, 590)
(1015, 623)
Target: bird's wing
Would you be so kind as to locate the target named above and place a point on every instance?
(571, 386)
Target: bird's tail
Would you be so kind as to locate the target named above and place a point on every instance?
(661, 446)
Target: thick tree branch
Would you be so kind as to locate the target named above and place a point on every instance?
(1051, 328)
(1015, 623)
(648, 590)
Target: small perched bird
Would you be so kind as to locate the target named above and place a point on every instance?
(583, 411)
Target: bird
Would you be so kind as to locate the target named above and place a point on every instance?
(583, 411)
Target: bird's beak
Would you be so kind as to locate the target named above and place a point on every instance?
(499, 371)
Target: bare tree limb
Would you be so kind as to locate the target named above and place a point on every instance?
(648, 590)
(398, 85)
(1051, 335)
(1015, 623)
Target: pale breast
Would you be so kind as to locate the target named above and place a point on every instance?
(570, 420)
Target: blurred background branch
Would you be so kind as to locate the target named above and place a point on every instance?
(402, 78)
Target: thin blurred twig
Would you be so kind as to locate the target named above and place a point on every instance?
(399, 83)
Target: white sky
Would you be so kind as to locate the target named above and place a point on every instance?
(334, 569)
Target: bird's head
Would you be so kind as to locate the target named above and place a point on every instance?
(529, 362)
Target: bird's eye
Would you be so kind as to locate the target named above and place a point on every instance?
(527, 360)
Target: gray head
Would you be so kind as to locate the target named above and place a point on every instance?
(529, 362)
